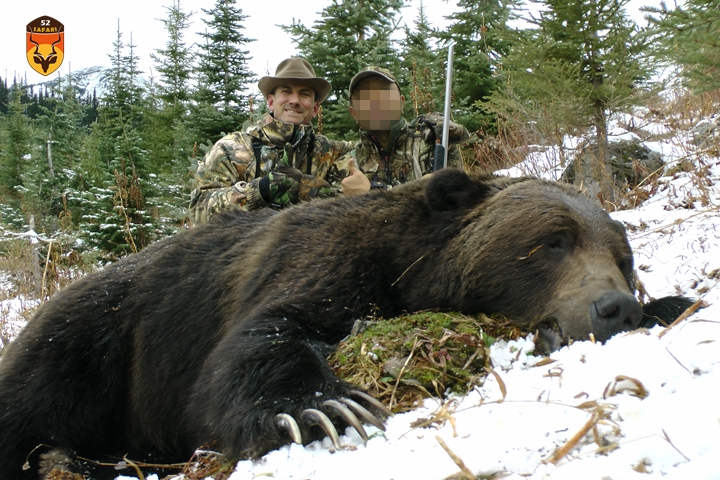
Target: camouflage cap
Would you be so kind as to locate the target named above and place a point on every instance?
(372, 71)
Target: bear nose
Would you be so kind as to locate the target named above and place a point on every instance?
(614, 312)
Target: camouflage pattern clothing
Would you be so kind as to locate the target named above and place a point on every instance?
(226, 177)
(410, 155)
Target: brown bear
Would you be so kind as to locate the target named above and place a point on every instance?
(219, 335)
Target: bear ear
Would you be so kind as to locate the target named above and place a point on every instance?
(452, 189)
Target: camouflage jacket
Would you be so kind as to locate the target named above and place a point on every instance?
(410, 155)
(226, 177)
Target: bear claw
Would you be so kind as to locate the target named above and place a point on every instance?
(349, 410)
(363, 413)
(316, 417)
(288, 423)
(349, 417)
(372, 401)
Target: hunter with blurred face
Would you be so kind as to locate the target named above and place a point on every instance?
(391, 151)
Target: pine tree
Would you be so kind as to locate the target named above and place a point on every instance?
(348, 37)
(479, 32)
(221, 101)
(688, 36)
(581, 64)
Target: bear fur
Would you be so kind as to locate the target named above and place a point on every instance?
(204, 337)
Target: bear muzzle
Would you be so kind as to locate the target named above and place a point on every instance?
(613, 313)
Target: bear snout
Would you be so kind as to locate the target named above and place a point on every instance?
(614, 312)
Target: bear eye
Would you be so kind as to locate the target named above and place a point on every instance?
(624, 264)
(560, 242)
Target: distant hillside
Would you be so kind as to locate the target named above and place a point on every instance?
(85, 81)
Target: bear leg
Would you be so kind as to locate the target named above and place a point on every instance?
(264, 386)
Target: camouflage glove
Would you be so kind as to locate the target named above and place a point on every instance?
(280, 187)
(312, 187)
(431, 127)
(287, 185)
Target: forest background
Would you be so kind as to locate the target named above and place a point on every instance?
(99, 161)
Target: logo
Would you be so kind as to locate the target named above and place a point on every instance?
(45, 44)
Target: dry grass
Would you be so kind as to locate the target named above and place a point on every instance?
(403, 360)
(31, 271)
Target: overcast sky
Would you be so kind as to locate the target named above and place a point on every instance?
(91, 29)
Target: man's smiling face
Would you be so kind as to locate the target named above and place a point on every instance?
(293, 103)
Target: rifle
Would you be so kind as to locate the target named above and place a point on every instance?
(441, 149)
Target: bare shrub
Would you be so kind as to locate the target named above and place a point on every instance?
(32, 269)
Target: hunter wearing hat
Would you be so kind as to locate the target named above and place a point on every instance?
(392, 151)
(280, 160)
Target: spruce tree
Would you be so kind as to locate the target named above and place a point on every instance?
(479, 32)
(348, 37)
(171, 142)
(16, 146)
(422, 68)
(223, 77)
(115, 218)
(4, 95)
(688, 36)
(61, 134)
(580, 64)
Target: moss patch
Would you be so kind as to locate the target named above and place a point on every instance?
(402, 360)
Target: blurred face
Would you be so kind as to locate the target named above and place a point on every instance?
(376, 104)
(293, 103)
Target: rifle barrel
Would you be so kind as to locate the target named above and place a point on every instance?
(448, 95)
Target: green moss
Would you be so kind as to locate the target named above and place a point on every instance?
(448, 353)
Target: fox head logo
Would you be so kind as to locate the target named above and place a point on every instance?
(45, 44)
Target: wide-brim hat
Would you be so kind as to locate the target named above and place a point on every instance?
(298, 71)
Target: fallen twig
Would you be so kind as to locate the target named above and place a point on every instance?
(458, 461)
(570, 444)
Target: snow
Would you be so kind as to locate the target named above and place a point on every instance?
(671, 433)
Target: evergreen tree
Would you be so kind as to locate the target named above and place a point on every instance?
(221, 101)
(171, 143)
(349, 36)
(15, 146)
(581, 64)
(422, 68)
(4, 95)
(479, 30)
(114, 216)
(61, 131)
(688, 36)
(91, 112)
